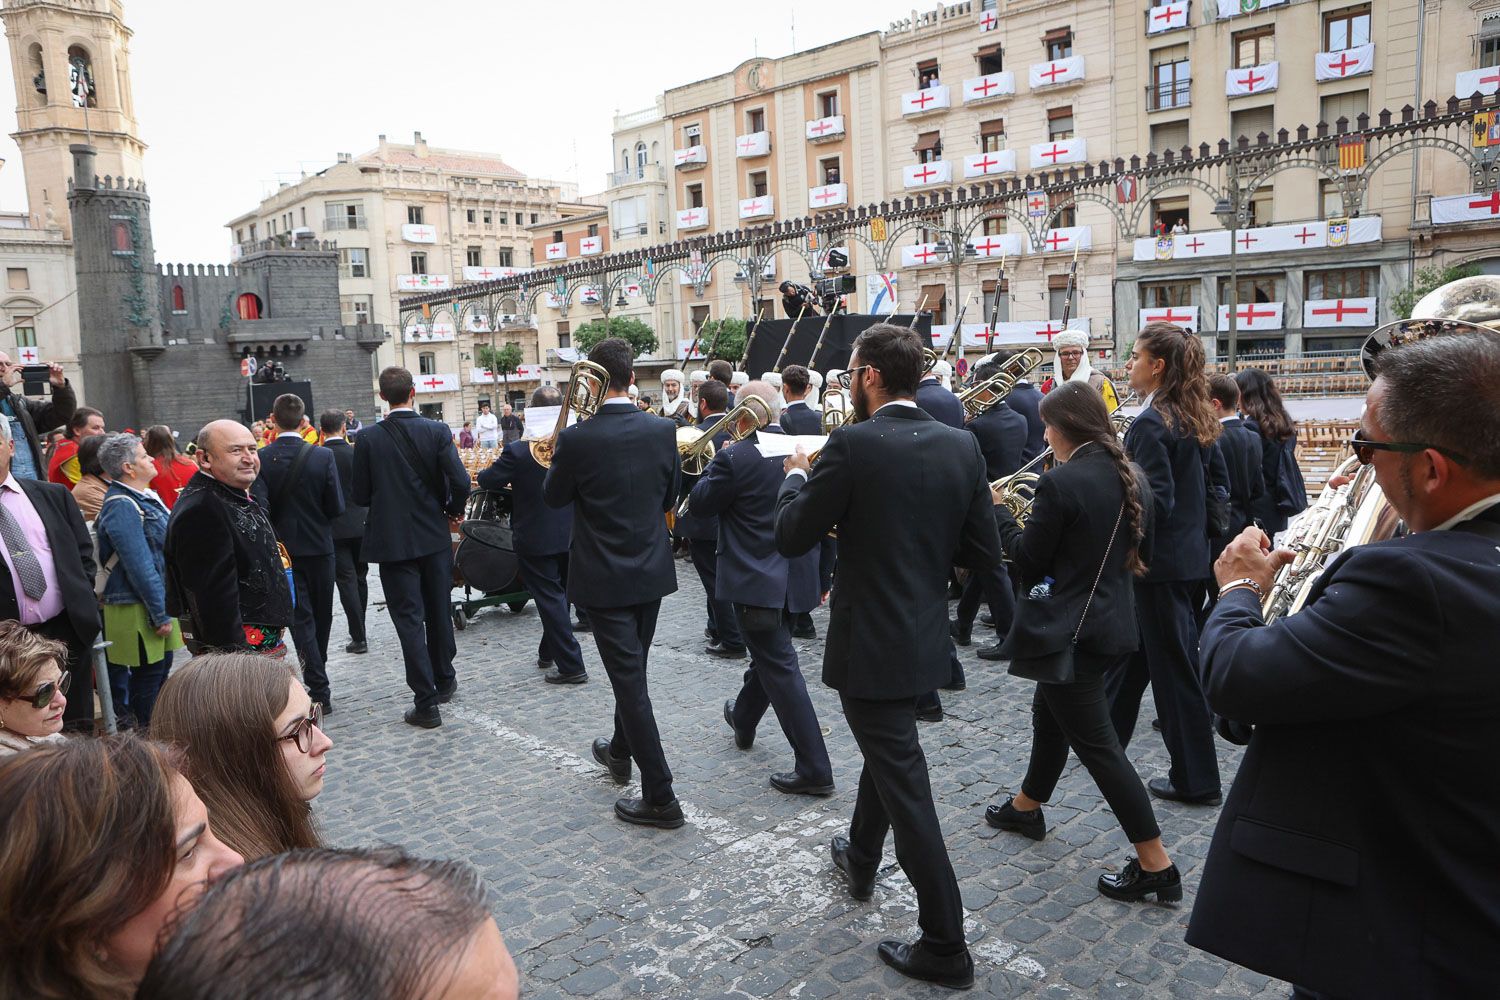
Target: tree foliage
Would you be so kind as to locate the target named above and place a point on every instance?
(640, 337)
(503, 361)
(1425, 281)
(730, 342)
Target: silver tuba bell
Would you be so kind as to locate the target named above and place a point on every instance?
(1468, 305)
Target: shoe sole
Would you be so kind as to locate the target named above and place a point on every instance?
(567, 679)
(955, 687)
(422, 725)
(822, 791)
(929, 718)
(1216, 800)
(663, 824)
(1164, 894)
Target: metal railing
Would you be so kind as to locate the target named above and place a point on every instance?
(650, 172)
(1168, 94)
(641, 229)
(344, 222)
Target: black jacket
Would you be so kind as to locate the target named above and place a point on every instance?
(351, 523)
(939, 403)
(740, 489)
(1284, 495)
(1174, 465)
(1002, 439)
(536, 529)
(72, 558)
(1241, 448)
(697, 525)
(1026, 399)
(1066, 536)
(619, 469)
(799, 418)
(910, 499)
(39, 414)
(302, 512)
(1355, 853)
(223, 567)
(407, 519)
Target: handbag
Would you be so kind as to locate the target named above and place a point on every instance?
(1038, 624)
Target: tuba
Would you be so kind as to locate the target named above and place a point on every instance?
(980, 396)
(695, 445)
(587, 384)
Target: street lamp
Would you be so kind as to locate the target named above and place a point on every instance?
(1231, 214)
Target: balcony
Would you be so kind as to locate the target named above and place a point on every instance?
(827, 196)
(830, 129)
(752, 144)
(340, 222)
(692, 218)
(919, 175)
(483, 273)
(692, 158)
(630, 232)
(926, 101)
(989, 87)
(760, 207)
(1167, 94)
(637, 175)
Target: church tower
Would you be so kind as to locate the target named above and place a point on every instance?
(71, 63)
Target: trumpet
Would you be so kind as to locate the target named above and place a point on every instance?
(834, 417)
(979, 397)
(697, 451)
(587, 384)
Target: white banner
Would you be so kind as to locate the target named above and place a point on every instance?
(1057, 71)
(589, 295)
(1313, 235)
(1339, 312)
(541, 421)
(825, 128)
(1050, 154)
(918, 102)
(880, 291)
(758, 208)
(1002, 161)
(1167, 17)
(1066, 238)
(1466, 207)
(922, 255)
(828, 195)
(412, 233)
(472, 273)
(1230, 8)
(552, 300)
(590, 245)
(1184, 316)
(1000, 245)
(1477, 81)
(1252, 316)
(683, 346)
(927, 174)
(782, 445)
(523, 373)
(1349, 62)
(693, 154)
(422, 282)
(476, 322)
(1251, 80)
(692, 218)
(557, 251)
(982, 88)
(989, 20)
(752, 144)
(435, 333)
(1017, 332)
(446, 382)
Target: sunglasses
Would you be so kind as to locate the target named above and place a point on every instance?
(1364, 449)
(846, 379)
(43, 695)
(302, 734)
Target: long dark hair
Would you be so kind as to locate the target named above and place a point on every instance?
(160, 443)
(1077, 412)
(1261, 401)
(1182, 397)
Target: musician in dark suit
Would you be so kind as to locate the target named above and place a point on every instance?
(1170, 439)
(797, 417)
(1241, 448)
(298, 486)
(408, 473)
(767, 589)
(702, 532)
(619, 469)
(541, 535)
(941, 405)
(1026, 399)
(349, 566)
(1354, 856)
(887, 641)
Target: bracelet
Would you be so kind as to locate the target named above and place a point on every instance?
(1243, 582)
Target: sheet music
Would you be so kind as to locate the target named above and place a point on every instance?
(782, 445)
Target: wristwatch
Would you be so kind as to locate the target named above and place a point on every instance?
(1243, 581)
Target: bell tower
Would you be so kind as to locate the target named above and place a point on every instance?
(71, 62)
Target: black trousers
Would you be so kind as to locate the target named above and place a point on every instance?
(349, 572)
(313, 576)
(623, 636)
(994, 586)
(1168, 661)
(78, 716)
(720, 613)
(828, 558)
(1077, 715)
(895, 795)
(774, 679)
(544, 577)
(417, 595)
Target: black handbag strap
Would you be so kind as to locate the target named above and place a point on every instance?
(1102, 563)
(408, 452)
(292, 478)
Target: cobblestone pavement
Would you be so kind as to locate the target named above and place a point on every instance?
(742, 901)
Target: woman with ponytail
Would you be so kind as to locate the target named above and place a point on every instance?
(1170, 440)
(1087, 538)
(1285, 493)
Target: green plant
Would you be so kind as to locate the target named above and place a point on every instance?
(730, 342)
(503, 361)
(1425, 281)
(640, 337)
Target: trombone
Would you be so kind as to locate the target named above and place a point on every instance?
(834, 417)
(587, 384)
(980, 396)
(1018, 490)
(696, 449)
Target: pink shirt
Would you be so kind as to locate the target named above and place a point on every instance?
(18, 503)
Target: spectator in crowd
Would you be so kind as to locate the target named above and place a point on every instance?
(104, 841)
(259, 430)
(721, 371)
(26, 417)
(173, 469)
(132, 528)
(466, 436)
(1265, 414)
(349, 567)
(1071, 364)
(487, 427)
(48, 585)
(352, 426)
(226, 582)
(511, 425)
(34, 684)
(645, 405)
(62, 464)
(255, 748)
(89, 492)
(1179, 227)
(49, 444)
(374, 924)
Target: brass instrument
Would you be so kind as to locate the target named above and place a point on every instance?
(834, 417)
(1018, 490)
(1468, 305)
(587, 384)
(981, 396)
(697, 451)
(1119, 418)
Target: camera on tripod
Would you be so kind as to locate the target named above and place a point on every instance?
(271, 371)
(830, 290)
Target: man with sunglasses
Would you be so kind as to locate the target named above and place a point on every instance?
(1355, 853)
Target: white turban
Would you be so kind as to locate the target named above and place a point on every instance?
(815, 380)
(698, 377)
(944, 372)
(772, 379)
(672, 375)
(1071, 338)
(739, 378)
(634, 390)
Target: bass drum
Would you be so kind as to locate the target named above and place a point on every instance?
(485, 558)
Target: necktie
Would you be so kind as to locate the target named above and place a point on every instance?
(28, 568)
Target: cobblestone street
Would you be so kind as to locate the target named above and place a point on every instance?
(742, 901)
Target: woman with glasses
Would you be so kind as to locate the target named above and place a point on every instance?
(33, 688)
(255, 748)
(1285, 493)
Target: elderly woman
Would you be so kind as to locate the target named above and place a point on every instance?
(1072, 365)
(33, 686)
(89, 491)
(132, 528)
(173, 469)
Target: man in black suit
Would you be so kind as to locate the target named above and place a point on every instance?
(702, 533)
(768, 590)
(408, 473)
(888, 641)
(1241, 448)
(349, 566)
(541, 535)
(619, 469)
(1355, 854)
(797, 417)
(943, 406)
(50, 593)
(298, 486)
(1026, 399)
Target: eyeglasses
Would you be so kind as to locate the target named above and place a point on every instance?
(43, 695)
(302, 734)
(1364, 449)
(846, 378)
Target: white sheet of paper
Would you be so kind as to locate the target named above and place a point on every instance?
(540, 420)
(782, 445)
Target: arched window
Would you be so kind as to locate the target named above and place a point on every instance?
(655, 152)
(640, 159)
(122, 241)
(249, 306)
(179, 301)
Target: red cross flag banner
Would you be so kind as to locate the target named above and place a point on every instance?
(1036, 204)
(927, 99)
(1066, 239)
(922, 255)
(982, 88)
(998, 245)
(828, 195)
(557, 251)
(447, 382)
(1167, 17)
(590, 245)
(927, 174)
(1251, 80)
(1252, 316)
(753, 144)
(1477, 207)
(1057, 71)
(1184, 316)
(1313, 235)
(1231, 8)
(1477, 81)
(989, 20)
(1001, 161)
(1046, 155)
(1339, 312)
(1349, 62)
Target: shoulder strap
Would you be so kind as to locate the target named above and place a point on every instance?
(408, 452)
(1103, 563)
(292, 477)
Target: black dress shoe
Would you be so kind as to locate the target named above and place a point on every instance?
(795, 784)
(742, 739)
(962, 636)
(1156, 725)
(668, 816)
(805, 632)
(727, 652)
(426, 718)
(1163, 788)
(1135, 883)
(619, 767)
(953, 971)
(555, 676)
(958, 685)
(543, 662)
(930, 714)
(446, 694)
(357, 647)
(861, 885)
(1030, 824)
(991, 652)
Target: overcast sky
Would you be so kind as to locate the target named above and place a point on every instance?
(233, 98)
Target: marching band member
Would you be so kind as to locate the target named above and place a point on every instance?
(674, 404)
(799, 418)
(702, 532)
(721, 371)
(944, 407)
(1071, 364)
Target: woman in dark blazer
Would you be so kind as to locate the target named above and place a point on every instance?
(1285, 493)
(1091, 511)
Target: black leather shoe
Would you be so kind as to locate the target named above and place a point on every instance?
(357, 647)
(1163, 788)
(962, 636)
(668, 817)
(727, 652)
(555, 676)
(958, 685)
(987, 619)
(1156, 725)
(805, 632)
(742, 740)
(953, 971)
(1007, 817)
(991, 652)
(543, 662)
(795, 784)
(930, 714)
(1134, 884)
(426, 718)
(861, 885)
(619, 768)
(446, 694)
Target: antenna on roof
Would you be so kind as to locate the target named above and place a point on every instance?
(794, 31)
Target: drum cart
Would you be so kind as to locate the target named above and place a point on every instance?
(481, 543)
